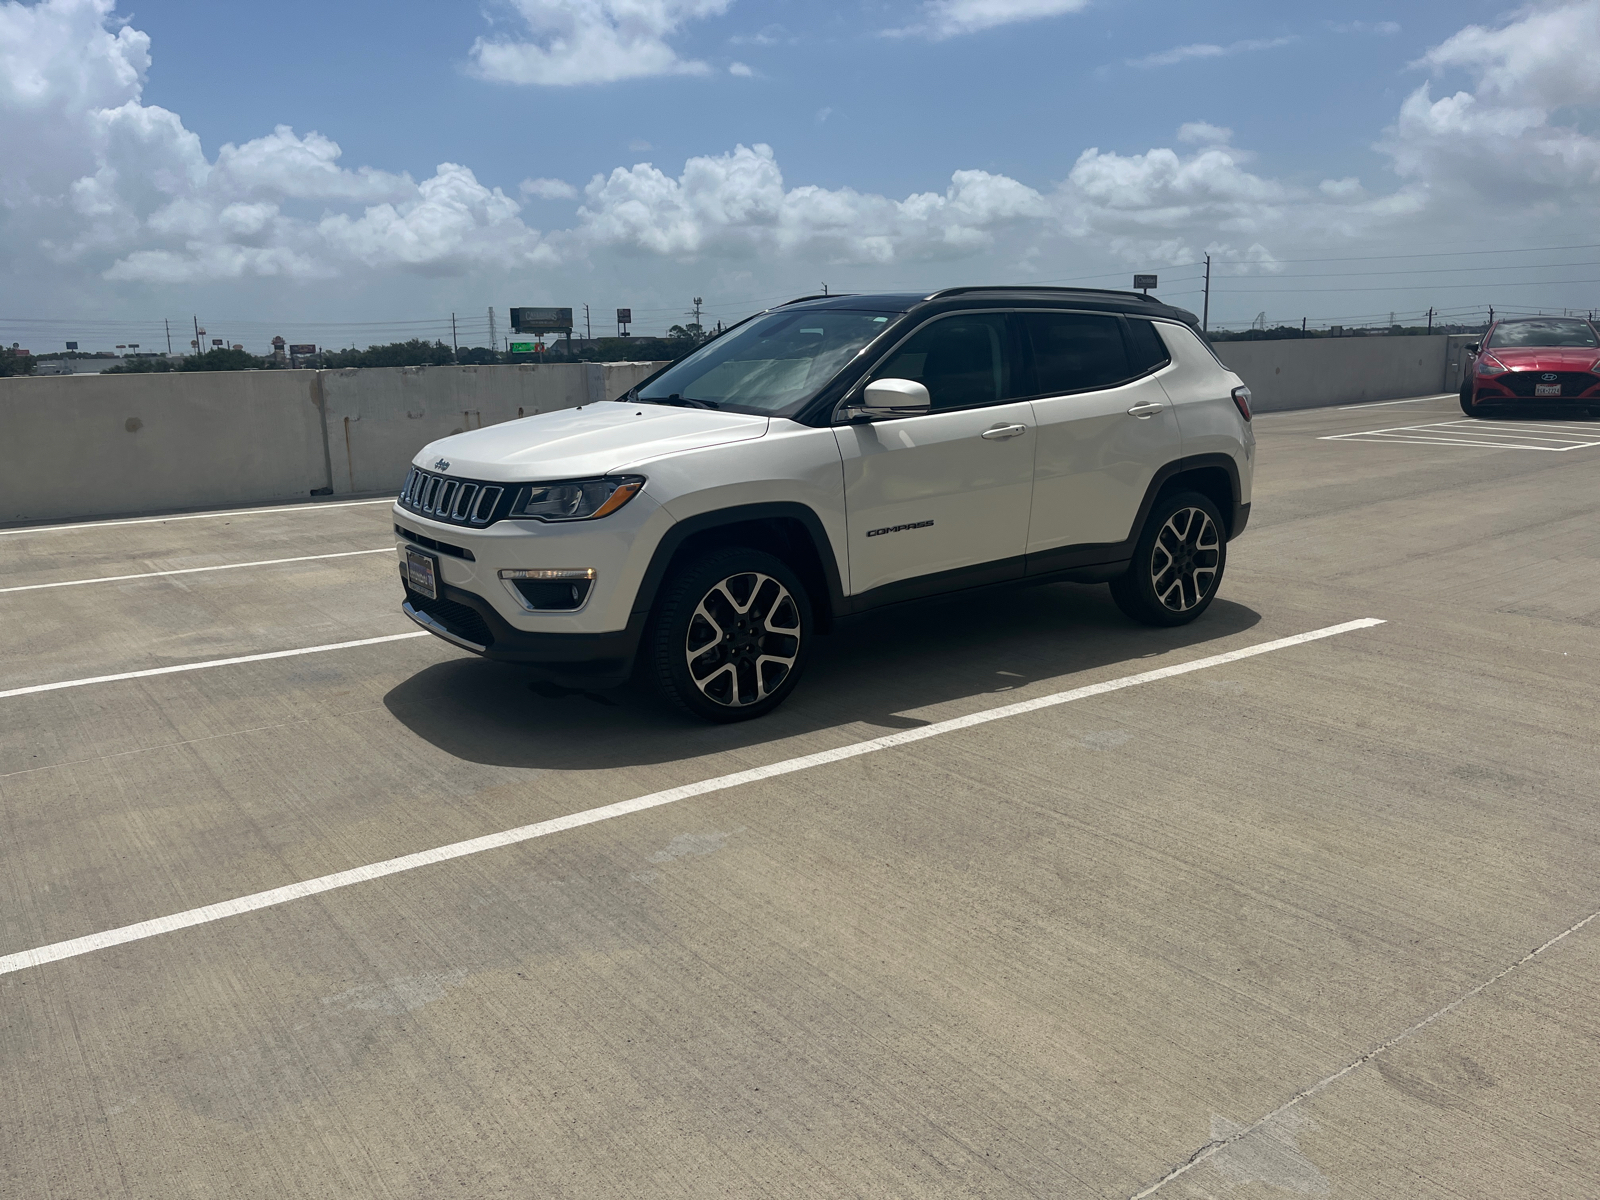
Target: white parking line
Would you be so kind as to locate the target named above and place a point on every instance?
(1413, 400)
(265, 562)
(223, 512)
(203, 666)
(1495, 435)
(56, 951)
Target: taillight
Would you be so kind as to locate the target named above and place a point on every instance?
(1488, 364)
(1241, 401)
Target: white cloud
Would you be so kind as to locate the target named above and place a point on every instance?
(95, 177)
(1504, 140)
(99, 186)
(1178, 54)
(1204, 133)
(736, 205)
(952, 18)
(1384, 28)
(740, 69)
(548, 189)
(593, 41)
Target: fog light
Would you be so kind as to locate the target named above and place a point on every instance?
(550, 589)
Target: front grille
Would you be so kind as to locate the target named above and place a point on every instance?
(429, 543)
(1522, 383)
(471, 502)
(459, 619)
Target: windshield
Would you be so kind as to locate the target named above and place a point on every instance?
(1544, 333)
(767, 365)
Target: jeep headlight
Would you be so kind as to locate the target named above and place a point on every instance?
(576, 499)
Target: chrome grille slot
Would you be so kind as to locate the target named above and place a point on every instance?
(455, 501)
(486, 505)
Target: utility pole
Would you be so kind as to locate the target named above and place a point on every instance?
(824, 289)
(1491, 314)
(168, 324)
(1302, 327)
(1430, 320)
(695, 313)
(197, 348)
(454, 347)
(588, 331)
(494, 342)
(1205, 314)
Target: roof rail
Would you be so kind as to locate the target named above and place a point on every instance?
(818, 296)
(1034, 287)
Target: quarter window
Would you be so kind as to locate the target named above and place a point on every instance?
(1074, 352)
(1149, 351)
(961, 360)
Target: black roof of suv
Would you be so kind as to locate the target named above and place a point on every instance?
(1106, 300)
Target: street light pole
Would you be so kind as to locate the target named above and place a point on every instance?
(1205, 315)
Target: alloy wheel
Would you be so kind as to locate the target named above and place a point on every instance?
(743, 639)
(1184, 559)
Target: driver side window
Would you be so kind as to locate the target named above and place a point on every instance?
(961, 360)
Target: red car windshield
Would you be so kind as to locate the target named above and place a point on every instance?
(1545, 332)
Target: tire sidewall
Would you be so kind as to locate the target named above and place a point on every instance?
(669, 629)
(1135, 593)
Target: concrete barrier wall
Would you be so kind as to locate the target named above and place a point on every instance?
(86, 445)
(108, 445)
(1321, 371)
(104, 445)
(378, 418)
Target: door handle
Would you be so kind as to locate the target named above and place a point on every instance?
(1146, 408)
(1003, 431)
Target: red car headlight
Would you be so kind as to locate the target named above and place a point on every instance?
(1488, 364)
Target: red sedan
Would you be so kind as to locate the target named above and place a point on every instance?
(1531, 363)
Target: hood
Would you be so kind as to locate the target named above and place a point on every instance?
(1546, 358)
(578, 442)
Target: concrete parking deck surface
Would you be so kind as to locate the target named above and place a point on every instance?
(1256, 917)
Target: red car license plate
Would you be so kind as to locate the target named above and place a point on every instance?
(1547, 389)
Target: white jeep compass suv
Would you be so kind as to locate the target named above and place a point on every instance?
(825, 457)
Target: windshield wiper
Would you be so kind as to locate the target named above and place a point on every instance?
(677, 401)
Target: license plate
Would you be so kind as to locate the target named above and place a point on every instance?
(1547, 389)
(422, 573)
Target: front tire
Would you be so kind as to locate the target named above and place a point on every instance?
(731, 636)
(1466, 399)
(1177, 563)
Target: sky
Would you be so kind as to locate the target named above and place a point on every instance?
(349, 173)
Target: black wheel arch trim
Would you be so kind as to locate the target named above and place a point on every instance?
(831, 583)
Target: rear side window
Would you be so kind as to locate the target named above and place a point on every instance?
(1149, 351)
(961, 360)
(1073, 352)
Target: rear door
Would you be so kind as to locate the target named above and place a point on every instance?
(949, 490)
(1106, 427)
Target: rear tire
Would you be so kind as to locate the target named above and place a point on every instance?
(731, 635)
(1177, 563)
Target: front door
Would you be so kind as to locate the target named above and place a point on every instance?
(948, 490)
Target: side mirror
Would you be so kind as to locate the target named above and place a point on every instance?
(1474, 347)
(894, 397)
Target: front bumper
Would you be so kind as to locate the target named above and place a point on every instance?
(586, 661)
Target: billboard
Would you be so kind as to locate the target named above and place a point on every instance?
(527, 347)
(541, 320)
(1144, 281)
(302, 348)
